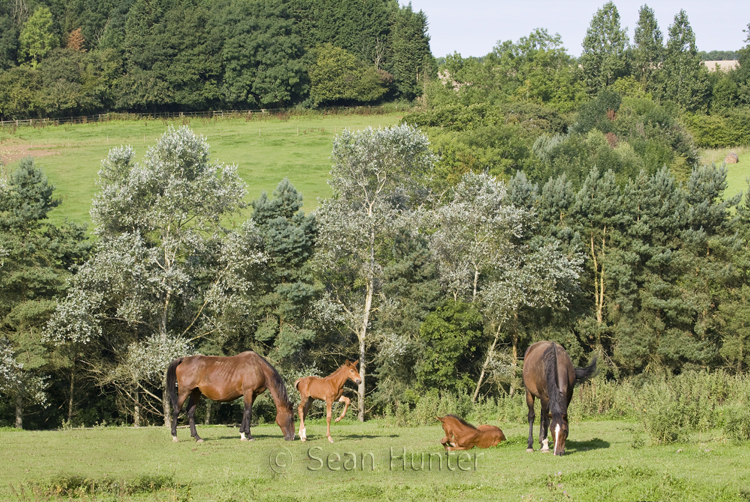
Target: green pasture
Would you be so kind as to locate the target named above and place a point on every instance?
(265, 149)
(737, 174)
(605, 460)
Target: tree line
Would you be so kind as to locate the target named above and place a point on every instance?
(436, 286)
(80, 57)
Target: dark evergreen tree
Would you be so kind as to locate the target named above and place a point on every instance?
(360, 27)
(410, 60)
(38, 258)
(262, 55)
(285, 289)
(8, 41)
(172, 57)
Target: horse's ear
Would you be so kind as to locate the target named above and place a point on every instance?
(442, 419)
(346, 363)
(355, 362)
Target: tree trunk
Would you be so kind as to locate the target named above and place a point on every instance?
(137, 409)
(72, 390)
(362, 360)
(163, 333)
(486, 363)
(514, 364)
(599, 277)
(19, 409)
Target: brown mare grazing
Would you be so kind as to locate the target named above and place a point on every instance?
(329, 389)
(461, 435)
(549, 374)
(225, 379)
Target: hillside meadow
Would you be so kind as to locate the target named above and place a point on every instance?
(605, 460)
(265, 150)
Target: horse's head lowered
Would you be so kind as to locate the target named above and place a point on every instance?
(285, 420)
(559, 428)
(351, 371)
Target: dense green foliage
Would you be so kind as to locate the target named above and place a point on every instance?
(434, 294)
(551, 201)
(164, 55)
(37, 260)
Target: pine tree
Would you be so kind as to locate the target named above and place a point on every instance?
(410, 59)
(38, 259)
(285, 288)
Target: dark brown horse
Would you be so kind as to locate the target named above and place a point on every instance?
(461, 435)
(329, 389)
(549, 374)
(225, 379)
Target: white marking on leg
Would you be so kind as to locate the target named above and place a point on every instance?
(303, 433)
(545, 444)
(174, 438)
(557, 436)
(242, 436)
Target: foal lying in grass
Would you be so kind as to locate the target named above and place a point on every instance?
(461, 435)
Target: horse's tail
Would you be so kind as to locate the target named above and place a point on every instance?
(172, 380)
(296, 383)
(583, 374)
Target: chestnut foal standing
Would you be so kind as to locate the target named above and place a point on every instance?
(329, 389)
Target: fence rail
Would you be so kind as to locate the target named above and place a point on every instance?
(211, 114)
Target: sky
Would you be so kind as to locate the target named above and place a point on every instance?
(473, 27)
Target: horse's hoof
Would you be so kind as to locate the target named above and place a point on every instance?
(198, 440)
(530, 450)
(175, 440)
(243, 438)
(544, 450)
(330, 440)
(303, 439)
(338, 420)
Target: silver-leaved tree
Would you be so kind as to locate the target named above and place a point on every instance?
(165, 273)
(377, 180)
(488, 256)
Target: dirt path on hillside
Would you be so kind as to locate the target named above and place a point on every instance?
(11, 151)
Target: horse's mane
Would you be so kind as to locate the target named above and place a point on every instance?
(276, 383)
(550, 373)
(462, 421)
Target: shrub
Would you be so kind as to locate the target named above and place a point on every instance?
(737, 422)
(730, 128)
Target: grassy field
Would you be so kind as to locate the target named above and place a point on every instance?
(738, 174)
(265, 151)
(604, 461)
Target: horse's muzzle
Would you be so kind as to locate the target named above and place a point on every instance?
(358, 381)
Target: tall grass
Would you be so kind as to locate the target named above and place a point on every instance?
(667, 408)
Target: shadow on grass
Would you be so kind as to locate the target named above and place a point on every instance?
(572, 447)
